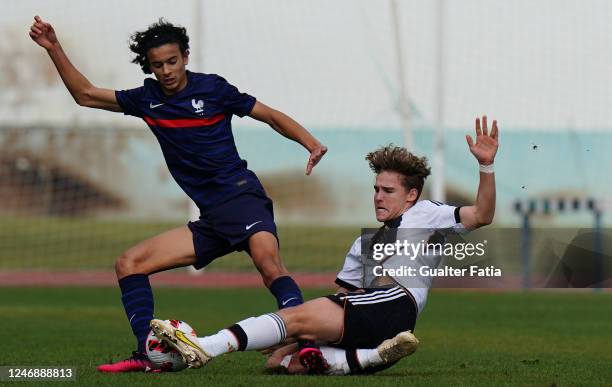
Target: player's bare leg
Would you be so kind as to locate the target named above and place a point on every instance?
(168, 250)
(317, 320)
(263, 249)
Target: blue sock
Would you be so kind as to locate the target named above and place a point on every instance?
(137, 298)
(286, 291)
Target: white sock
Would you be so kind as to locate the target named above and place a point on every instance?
(253, 333)
(338, 364)
(222, 342)
(263, 331)
(336, 358)
(368, 358)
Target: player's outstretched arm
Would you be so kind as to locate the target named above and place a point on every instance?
(83, 92)
(289, 128)
(484, 149)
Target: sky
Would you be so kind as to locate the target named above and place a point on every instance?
(531, 64)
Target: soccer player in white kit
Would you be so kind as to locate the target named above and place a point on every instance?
(369, 308)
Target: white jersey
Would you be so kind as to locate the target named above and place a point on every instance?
(419, 223)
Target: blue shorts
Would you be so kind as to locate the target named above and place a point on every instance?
(228, 227)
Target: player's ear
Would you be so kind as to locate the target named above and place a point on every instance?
(413, 195)
(186, 56)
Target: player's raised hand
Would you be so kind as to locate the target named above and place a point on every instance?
(315, 156)
(43, 33)
(486, 144)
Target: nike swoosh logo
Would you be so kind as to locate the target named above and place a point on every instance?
(181, 336)
(154, 106)
(253, 224)
(134, 315)
(286, 301)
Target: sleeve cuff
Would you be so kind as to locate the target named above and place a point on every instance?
(118, 98)
(345, 284)
(457, 215)
(249, 107)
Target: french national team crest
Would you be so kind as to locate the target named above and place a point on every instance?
(198, 106)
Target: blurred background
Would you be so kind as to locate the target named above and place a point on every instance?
(79, 186)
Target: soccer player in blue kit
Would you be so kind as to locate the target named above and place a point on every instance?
(190, 114)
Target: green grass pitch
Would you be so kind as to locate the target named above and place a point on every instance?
(467, 338)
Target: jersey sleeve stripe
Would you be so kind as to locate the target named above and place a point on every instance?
(184, 123)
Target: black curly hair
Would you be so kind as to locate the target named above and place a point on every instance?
(158, 34)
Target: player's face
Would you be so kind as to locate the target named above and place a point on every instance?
(168, 65)
(391, 199)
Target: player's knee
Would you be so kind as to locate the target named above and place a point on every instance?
(122, 265)
(293, 321)
(127, 263)
(265, 255)
(297, 322)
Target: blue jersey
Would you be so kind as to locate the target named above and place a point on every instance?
(194, 130)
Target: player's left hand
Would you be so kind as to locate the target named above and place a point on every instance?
(316, 154)
(486, 144)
